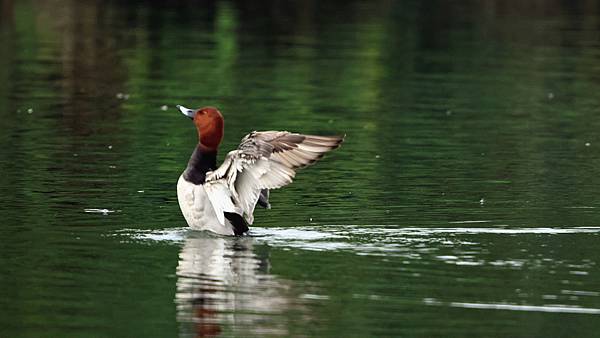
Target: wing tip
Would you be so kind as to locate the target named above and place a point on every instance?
(339, 140)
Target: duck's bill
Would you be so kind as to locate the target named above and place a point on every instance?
(186, 111)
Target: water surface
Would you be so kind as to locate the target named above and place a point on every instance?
(463, 202)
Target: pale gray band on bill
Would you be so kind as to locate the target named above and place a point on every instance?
(186, 111)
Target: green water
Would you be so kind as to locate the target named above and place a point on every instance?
(464, 202)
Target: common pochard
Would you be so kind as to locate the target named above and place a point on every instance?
(222, 200)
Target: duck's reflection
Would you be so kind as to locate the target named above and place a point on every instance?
(223, 287)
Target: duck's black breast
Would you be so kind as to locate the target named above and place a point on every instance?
(199, 164)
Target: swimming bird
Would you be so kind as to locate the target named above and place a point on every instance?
(223, 199)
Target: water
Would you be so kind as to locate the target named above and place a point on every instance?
(462, 204)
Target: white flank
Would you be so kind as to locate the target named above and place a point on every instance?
(198, 210)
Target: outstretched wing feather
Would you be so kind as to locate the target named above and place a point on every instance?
(264, 160)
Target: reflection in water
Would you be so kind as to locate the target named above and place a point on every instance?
(224, 287)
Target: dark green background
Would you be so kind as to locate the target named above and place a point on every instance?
(469, 174)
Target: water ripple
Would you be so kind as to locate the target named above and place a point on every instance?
(375, 239)
(555, 308)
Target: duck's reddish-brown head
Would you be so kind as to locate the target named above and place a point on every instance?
(209, 123)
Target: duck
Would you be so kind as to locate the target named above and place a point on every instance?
(222, 199)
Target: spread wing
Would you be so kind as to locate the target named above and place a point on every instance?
(263, 160)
